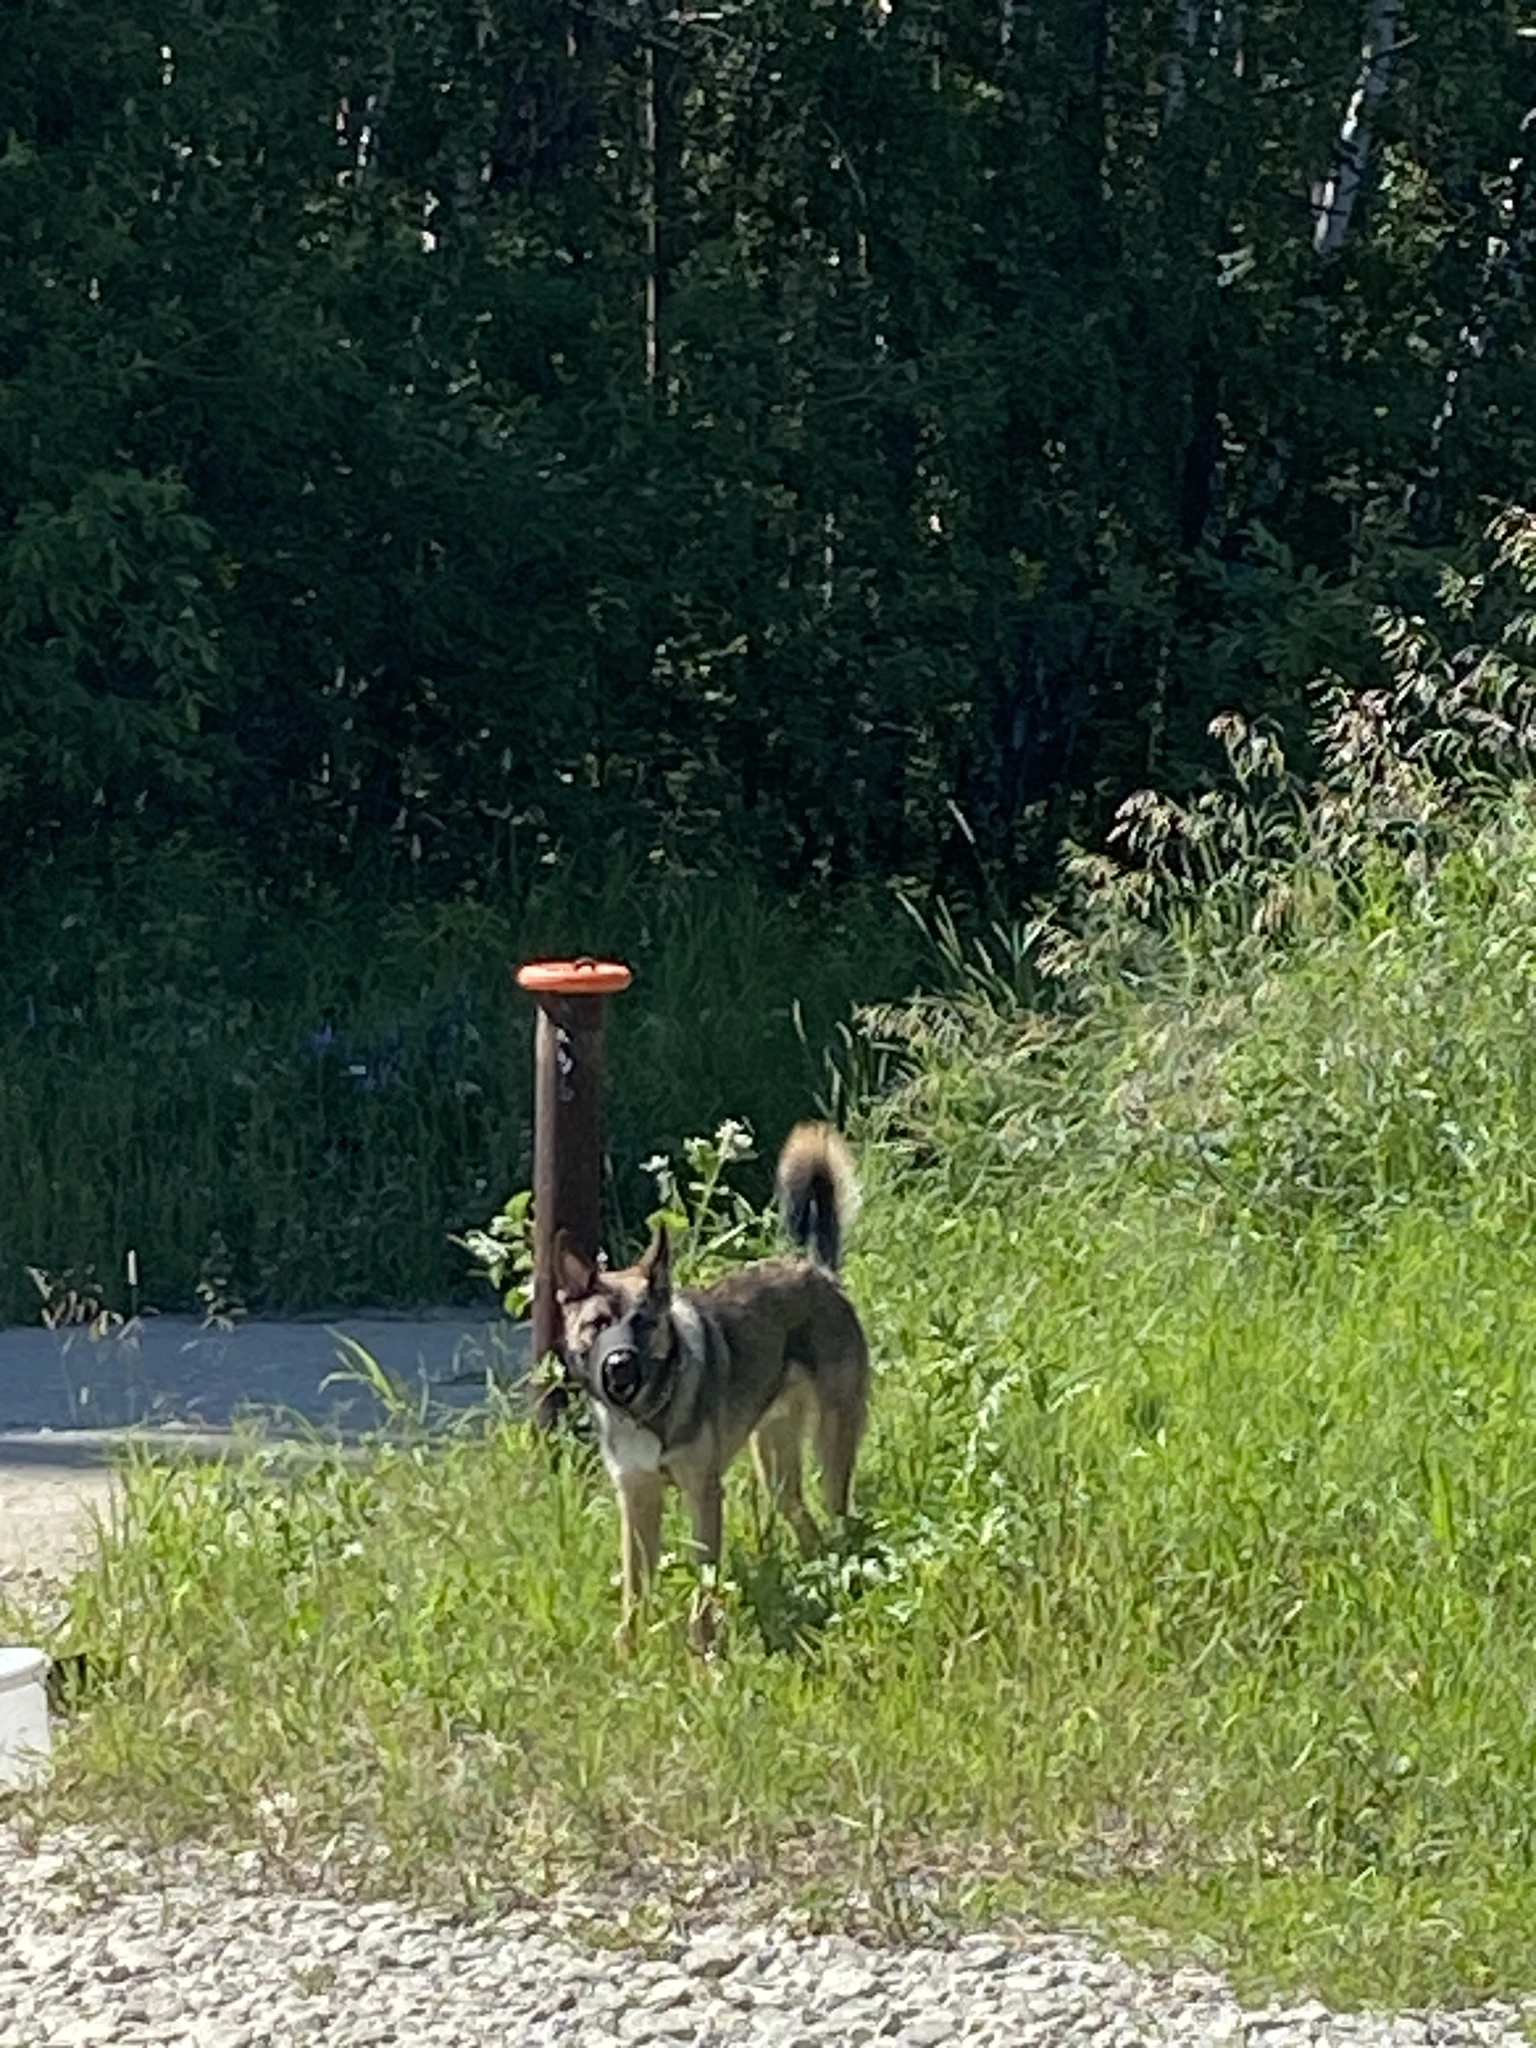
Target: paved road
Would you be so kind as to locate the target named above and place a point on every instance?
(66, 1400)
(173, 1370)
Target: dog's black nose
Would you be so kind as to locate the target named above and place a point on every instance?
(621, 1377)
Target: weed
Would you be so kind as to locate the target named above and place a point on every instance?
(1196, 1577)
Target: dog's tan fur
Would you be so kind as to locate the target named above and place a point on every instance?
(681, 1379)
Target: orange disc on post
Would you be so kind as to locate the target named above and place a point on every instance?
(581, 977)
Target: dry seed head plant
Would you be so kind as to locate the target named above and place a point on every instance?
(1193, 1585)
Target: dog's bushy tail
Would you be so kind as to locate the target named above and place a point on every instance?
(818, 1192)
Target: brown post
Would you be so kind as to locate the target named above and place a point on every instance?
(567, 1126)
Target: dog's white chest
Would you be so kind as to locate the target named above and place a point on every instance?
(625, 1446)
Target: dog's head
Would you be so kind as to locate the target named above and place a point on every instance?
(618, 1334)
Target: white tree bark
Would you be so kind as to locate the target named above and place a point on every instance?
(1504, 256)
(650, 214)
(1186, 29)
(1335, 198)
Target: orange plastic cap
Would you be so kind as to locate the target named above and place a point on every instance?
(574, 977)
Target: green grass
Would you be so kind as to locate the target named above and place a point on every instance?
(1196, 1584)
(1195, 1581)
(297, 1109)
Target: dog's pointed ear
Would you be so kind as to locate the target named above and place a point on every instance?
(574, 1275)
(656, 1265)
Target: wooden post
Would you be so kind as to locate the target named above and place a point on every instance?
(567, 1128)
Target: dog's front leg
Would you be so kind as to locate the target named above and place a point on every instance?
(640, 1497)
(706, 1503)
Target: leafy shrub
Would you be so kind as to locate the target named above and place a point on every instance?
(1282, 999)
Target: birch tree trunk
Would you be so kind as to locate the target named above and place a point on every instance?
(1335, 198)
(1507, 251)
(1186, 29)
(650, 212)
(662, 82)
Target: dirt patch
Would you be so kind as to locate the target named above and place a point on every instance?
(47, 1525)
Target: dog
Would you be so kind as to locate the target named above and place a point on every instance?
(679, 1379)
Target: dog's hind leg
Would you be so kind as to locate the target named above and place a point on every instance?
(778, 1451)
(839, 1431)
(640, 1499)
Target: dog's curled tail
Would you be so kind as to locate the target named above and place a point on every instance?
(818, 1191)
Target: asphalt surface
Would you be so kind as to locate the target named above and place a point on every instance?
(170, 1372)
(68, 1400)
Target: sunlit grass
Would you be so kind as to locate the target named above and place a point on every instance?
(1194, 1578)
(1190, 1583)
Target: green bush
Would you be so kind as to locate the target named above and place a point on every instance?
(1193, 1580)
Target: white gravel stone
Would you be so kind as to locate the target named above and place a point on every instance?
(714, 1958)
(100, 1946)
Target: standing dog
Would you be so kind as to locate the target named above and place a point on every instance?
(679, 1379)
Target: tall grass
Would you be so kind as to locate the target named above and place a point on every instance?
(1194, 1579)
(300, 1108)
(1195, 1583)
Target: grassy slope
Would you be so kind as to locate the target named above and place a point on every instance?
(1197, 1578)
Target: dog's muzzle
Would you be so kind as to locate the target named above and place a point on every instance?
(620, 1373)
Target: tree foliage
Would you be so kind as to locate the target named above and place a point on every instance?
(848, 438)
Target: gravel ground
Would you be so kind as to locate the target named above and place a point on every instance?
(100, 1947)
